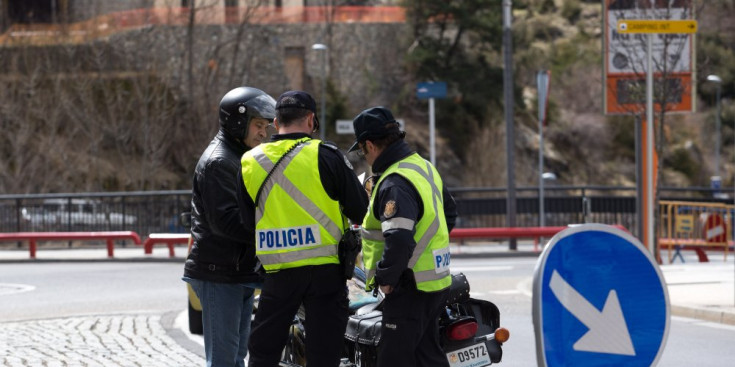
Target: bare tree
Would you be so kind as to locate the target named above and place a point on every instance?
(107, 110)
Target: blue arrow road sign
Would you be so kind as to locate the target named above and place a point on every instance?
(599, 299)
(431, 90)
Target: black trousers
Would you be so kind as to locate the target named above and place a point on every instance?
(410, 334)
(322, 290)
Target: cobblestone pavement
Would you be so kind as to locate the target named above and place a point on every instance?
(109, 340)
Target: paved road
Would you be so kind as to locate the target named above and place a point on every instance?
(507, 282)
(93, 314)
(122, 314)
(100, 340)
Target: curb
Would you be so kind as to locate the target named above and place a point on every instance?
(180, 259)
(111, 260)
(722, 317)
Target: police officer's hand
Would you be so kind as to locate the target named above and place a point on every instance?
(386, 289)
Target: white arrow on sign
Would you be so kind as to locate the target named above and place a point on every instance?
(608, 332)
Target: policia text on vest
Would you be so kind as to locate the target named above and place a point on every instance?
(278, 238)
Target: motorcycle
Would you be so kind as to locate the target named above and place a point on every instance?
(470, 332)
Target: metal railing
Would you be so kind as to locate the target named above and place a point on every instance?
(158, 211)
(563, 205)
(141, 212)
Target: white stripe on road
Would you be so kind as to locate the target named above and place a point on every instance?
(505, 292)
(457, 269)
(7, 288)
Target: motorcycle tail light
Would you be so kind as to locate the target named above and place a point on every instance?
(462, 330)
(502, 335)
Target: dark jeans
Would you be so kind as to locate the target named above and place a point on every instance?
(226, 312)
(410, 334)
(323, 292)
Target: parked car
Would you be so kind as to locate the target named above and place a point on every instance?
(74, 212)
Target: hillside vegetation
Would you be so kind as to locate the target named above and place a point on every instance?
(133, 111)
(582, 146)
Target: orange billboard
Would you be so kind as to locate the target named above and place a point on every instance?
(625, 58)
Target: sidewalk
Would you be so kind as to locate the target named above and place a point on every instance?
(704, 291)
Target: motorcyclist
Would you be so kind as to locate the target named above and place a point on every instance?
(222, 267)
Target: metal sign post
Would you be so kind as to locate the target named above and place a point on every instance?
(542, 82)
(649, 145)
(432, 133)
(431, 90)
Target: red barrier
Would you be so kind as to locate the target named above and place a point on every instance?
(505, 232)
(33, 237)
(169, 239)
(510, 232)
(697, 245)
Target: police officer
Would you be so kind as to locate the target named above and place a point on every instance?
(405, 241)
(221, 266)
(299, 193)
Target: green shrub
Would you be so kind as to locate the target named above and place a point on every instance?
(571, 10)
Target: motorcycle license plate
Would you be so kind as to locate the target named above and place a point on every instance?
(473, 356)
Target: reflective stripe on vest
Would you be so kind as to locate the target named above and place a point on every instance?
(434, 227)
(277, 177)
(284, 242)
(433, 236)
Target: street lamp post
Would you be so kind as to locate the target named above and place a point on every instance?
(323, 118)
(716, 79)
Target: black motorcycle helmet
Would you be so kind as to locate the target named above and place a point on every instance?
(240, 105)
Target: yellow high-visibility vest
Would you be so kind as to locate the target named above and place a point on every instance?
(430, 259)
(296, 222)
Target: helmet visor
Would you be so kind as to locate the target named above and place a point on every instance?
(263, 106)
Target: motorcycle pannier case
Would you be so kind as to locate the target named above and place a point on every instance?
(459, 290)
(363, 336)
(365, 329)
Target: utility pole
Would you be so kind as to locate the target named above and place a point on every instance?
(509, 134)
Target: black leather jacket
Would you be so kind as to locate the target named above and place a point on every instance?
(223, 249)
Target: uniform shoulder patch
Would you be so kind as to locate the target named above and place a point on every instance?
(330, 145)
(390, 208)
(335, 148)
(347, 162)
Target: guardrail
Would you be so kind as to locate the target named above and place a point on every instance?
(33, 237)
(461, 234)
(168, 239)
(511, 232)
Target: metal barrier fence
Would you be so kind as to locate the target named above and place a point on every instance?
(141, 212)
(158, 211)
(563, 205)
(689, 224)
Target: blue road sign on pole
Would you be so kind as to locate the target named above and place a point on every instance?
(431, 90)
(599, 299)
